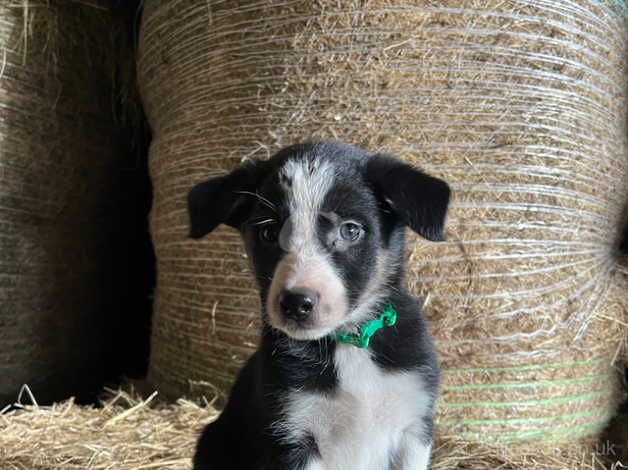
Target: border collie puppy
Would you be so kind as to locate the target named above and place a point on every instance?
(345, 376)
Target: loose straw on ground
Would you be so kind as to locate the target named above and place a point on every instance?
(125, 433)
(129, 433)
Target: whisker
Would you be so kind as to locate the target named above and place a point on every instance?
(264, 221)
(260, 219)
(261, 199)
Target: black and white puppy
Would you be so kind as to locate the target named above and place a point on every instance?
(323, 225)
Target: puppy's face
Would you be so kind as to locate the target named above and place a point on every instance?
(316, 246)
(322, 229)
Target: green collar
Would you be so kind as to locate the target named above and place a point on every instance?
(361, 340)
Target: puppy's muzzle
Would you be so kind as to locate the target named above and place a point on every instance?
(297, 305)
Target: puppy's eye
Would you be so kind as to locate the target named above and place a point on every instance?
(351, 231)
(268, 233)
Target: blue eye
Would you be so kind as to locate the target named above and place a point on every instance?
(351, 231)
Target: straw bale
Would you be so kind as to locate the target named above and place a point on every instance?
(519, 104)
(56, 161)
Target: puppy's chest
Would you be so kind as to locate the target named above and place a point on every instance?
(360, 423)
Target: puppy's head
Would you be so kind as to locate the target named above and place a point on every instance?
(323, 224)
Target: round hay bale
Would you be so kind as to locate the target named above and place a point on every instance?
(56, 159)
(519, 105)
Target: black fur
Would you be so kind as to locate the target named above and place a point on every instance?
(382, 194)
(223, 200)
(403, 186)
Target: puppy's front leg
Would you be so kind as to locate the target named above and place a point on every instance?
(413, 453)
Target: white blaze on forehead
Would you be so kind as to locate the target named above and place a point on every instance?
(305, 183)
(306, 264)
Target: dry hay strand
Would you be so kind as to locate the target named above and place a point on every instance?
(519, 105)
(130, 433)
(56, 171)
(125, 433)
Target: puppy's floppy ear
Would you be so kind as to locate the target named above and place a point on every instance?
(221, 200)
(419, 200)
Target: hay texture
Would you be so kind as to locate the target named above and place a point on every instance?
(130, 433)
(125, 433)
(519, 105)
(56, 162)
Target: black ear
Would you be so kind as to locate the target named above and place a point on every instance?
(419, 200)
(223, 200)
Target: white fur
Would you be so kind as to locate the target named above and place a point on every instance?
(315, 465)
(310, 181)
(307, 265)
(412, 453)
(371, 416)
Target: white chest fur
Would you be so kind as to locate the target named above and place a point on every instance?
(366, 419)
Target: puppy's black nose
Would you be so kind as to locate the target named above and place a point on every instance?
(297, 304)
